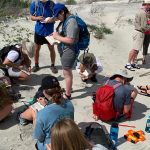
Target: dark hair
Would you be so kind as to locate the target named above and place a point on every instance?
(66, 11)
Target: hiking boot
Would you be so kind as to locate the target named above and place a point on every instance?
(54, 69)
(21, 120)
(35, 68)
(135, 66)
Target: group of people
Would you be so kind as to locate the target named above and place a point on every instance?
(51, 104)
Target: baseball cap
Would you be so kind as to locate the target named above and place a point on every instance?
(57, 8)
(49, 82)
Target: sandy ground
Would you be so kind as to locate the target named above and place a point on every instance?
(113, 52)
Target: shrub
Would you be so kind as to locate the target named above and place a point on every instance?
(99, 31)
(70, 2)
(12, 7)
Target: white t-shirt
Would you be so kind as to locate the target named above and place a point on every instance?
(99, 65)
(99, 147)
(13, 56)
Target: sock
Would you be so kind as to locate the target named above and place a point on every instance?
(52, 65)
(128, 63)
(36, 64)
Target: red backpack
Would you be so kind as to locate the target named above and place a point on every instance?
(103, 106)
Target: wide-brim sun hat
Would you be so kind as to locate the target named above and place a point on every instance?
(87, 58)
(124, 73)
(28, 47)
(146, 1)
(57, 8)
(49, 82)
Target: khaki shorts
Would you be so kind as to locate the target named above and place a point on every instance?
(138, 38)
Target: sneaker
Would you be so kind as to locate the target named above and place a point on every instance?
(22, 121)
(129, 67)
(35, 68)
(135, 66)
(54, 69)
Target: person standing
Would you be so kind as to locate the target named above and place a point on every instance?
(42, 12)
(68, 46)
(146, 40)
(138, 36)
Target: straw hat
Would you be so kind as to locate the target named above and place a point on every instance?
(123, 73)
(28, 47)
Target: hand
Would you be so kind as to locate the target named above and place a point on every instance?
(29, 69)
(55, 35)
(83, 76)
(40, 18)
(95, 117)
(49, 20)
(20, 67)
(42, 101)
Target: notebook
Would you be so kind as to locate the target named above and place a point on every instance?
(51, 40)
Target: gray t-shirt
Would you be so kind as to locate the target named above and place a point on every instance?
(71, 30)
(122, 95)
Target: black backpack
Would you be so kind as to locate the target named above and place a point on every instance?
(5, 50)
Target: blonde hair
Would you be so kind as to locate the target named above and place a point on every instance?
(67, 136)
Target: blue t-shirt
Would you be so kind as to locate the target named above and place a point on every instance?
(44, 9)
(122, 95)
(47, 117)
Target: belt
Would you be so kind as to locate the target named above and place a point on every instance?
(139, 30)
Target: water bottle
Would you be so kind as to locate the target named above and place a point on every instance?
(114, 134)
(147, 128)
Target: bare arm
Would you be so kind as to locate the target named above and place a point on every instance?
(10, 64)
(126, 108)
(66, 40)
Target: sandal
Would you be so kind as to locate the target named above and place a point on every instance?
(67, 97)
(145, 93)
(142, 88)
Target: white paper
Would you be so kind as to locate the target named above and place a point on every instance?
(51, 40)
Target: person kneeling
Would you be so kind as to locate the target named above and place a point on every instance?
(88, 66)
(15, 59)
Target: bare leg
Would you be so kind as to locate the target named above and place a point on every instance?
(52, 53)
(5, 112)
(28, 114)
(68, 80)
(36, 53)
(132, 56)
